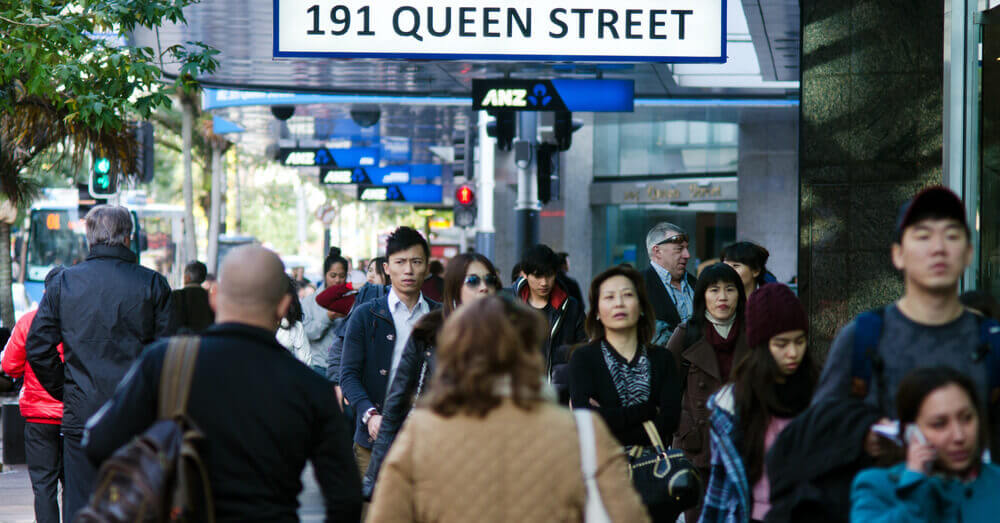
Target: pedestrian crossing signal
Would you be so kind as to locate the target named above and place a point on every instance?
(103, 183)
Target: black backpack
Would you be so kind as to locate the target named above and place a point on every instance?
(159, 476)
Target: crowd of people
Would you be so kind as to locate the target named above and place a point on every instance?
(431, 391)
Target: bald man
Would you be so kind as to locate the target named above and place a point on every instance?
(264, 413)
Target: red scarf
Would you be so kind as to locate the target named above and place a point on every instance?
(724, 348)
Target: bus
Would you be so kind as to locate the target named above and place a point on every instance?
(57, 236)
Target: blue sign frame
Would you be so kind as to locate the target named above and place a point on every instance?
(721, 59)
(404, 193)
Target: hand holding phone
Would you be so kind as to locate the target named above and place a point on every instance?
(920, 455)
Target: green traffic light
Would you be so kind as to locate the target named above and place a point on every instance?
(102, 166)
(103, 181)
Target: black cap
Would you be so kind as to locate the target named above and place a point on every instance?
(937, 201)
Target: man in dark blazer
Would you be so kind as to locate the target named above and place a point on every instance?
(376, 335)
(263, 413)
(192, 311)
(669, 286)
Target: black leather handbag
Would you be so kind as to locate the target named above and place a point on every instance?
(662, 475)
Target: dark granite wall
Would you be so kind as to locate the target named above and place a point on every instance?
(871, 136)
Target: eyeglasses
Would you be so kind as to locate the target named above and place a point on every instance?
(677, 238)
(473, 280)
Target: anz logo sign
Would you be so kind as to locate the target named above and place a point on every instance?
(537, 97)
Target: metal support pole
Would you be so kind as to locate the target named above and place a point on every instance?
(527, 207)
(485, 231)
(213, 219)
(190, 240)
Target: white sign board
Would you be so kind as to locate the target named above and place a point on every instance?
(514, 30)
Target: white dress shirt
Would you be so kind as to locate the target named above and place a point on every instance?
(403, 319)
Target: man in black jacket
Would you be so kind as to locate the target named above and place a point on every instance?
(192, 311)
(668, 284)
(263, 413)
(103, 311)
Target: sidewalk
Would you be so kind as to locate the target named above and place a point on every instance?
(16, 500)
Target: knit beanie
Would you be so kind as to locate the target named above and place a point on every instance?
(771, 310)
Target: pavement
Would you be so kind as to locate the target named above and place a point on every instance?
(16, 499)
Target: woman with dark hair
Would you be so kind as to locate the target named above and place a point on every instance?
(750, 262)
(291, 333)
(619, 374)
(320, 323)
(486, 445)
(469, 276)
(769, 387)
(706, 348)
(944, 479)
(376, 272)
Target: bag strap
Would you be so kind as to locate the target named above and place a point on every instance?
(867, 333)
(654, 436)
(594, 511)
(175, 378)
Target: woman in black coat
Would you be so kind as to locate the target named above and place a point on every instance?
(619, 374)
(469, 276)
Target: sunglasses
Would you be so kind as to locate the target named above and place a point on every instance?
(677, 238)
(473, 280)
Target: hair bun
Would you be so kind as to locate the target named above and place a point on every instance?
(334, 252)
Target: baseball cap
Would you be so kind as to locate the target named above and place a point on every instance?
(936, 201)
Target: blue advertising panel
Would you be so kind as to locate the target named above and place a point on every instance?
(554, 95)
(332, 158)
(405, 193)
(390, 175)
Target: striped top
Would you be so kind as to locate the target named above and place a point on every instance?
(631, 379)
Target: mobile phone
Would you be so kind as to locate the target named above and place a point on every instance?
(912, 431)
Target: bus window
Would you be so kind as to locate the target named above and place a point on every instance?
(57, 237)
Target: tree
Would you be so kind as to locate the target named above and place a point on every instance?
(67, 77)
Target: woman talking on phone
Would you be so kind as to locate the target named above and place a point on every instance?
(944, 478)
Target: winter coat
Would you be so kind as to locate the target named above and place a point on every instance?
(591, 379)
(728, 496)
(699, 372)
(320, 329)
(565, 324)
(192, 313)
(899, 495)
(368, 292)
(103, 311)
(37, 405)
(367, 359)
(511, 465)
(293, 338)
(416, 366)
(829, 437)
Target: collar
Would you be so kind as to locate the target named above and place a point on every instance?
(394, 300)
(667, 278)
(722, 327)
(557, 297)
(112, 251)
(243, 330)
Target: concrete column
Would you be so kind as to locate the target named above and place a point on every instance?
(871, 137)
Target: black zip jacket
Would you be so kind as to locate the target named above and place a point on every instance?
(103, 311)
(413, 374)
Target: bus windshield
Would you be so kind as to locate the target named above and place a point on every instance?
(57, 237)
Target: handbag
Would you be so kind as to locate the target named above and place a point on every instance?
(594, 511)
(662, 475)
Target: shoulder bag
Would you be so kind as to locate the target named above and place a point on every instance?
(662, 475)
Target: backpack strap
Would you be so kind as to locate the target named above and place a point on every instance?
(175, 378)
(867, 333)
(989, 340)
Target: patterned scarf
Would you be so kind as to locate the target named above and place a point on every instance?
(631, 380)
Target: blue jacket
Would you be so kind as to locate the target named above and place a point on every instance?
(899, 495)
(367, 360)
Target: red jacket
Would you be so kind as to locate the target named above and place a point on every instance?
(37, 406)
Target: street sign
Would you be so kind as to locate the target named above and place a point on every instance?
(407, 193)
(325, 157)
(554, 95)
(668, 31)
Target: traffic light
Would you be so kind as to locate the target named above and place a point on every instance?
(547, 171)
(464, 145)
(563, 127)
(465, 206)
(103, 182)
(144, 162)
(503, 128)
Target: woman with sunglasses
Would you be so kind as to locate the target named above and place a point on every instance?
(468, 277)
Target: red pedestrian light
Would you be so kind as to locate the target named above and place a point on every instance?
(464, 195)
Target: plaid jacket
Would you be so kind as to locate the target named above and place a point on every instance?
(727, 498)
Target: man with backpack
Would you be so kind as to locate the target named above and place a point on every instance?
(927, 326)
(262, 413)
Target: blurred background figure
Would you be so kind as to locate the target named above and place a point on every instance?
(376, 272)
(485, 445)
(192, 311)
(750, 262)
(320, 324)
(291, 333)
(433, 286)
(982, 302)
